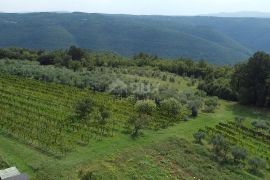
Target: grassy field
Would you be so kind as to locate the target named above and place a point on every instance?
(33, 162)
(118, 156)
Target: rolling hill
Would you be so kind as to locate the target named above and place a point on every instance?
(217, 40)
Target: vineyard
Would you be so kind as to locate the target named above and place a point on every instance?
(37, 114)
(257, 143)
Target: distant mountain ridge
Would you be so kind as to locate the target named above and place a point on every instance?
(217, 40)
(246, 14)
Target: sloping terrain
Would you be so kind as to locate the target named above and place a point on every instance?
(218, 40)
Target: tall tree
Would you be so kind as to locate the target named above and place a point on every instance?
(251, 80)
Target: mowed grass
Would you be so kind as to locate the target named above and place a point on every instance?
(33, 162)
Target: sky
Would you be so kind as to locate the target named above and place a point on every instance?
(137, 7)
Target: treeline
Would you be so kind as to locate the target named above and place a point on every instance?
(247, 82)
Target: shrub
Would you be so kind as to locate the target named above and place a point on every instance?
(260, 124)
(239, 120)
(199, 136)
(145, 107)
(84, 108)
(194, 111)
(136, 123)
(170, 107)
(256, 164)
(239, 154)
(209, 109)
(220, 146)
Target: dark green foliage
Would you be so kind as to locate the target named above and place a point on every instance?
(220, 146)
(199, 136)
(239, 120)
(216, 40)
(3, 163)
(260, 124)
(194, 111)
(76, 53)
(239, 154)
(46, 59)
(250, 80)
(256, 164)
(84, 108)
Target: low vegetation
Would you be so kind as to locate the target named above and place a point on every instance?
(86, 115)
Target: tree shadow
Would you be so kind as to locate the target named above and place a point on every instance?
(250, 111)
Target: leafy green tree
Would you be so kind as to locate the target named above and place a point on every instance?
(250, 80)
(170, 107)
(194, 111)
(84, 108)
(199, 136)
(145, 107)
(136, 123)
(76, 53)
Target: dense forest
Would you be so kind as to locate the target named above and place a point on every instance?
(216, 40)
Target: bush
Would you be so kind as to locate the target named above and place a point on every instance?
(170, 107)
(145, 107)
(194, 111)
(199, 136)
(239, 154)
(136, 123)
(84, 108)
(220, 146)
(209, 109)
(256, 164)
(239, 120)
(260, 124)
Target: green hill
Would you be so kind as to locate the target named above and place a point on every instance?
(218, 40)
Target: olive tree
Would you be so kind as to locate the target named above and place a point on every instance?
(145, 107)
(199, 136)
(170, 107)
(238, 154)
(220, 146)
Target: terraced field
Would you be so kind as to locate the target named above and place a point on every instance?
(255, 142)
(38, 114)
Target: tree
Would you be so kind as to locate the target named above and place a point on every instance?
(76, 53)
(84, 108)
(199, 136)
(239, 154)
(102, 118)
(256, 164)
(220, 146)
(136, 123)
(170, 107)
(250, 80)
(194, 111)
(75, 65)
(46, 59)
(145, 107)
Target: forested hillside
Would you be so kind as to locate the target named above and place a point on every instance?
(217, 40)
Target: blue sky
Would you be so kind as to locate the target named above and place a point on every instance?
(149, 7)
